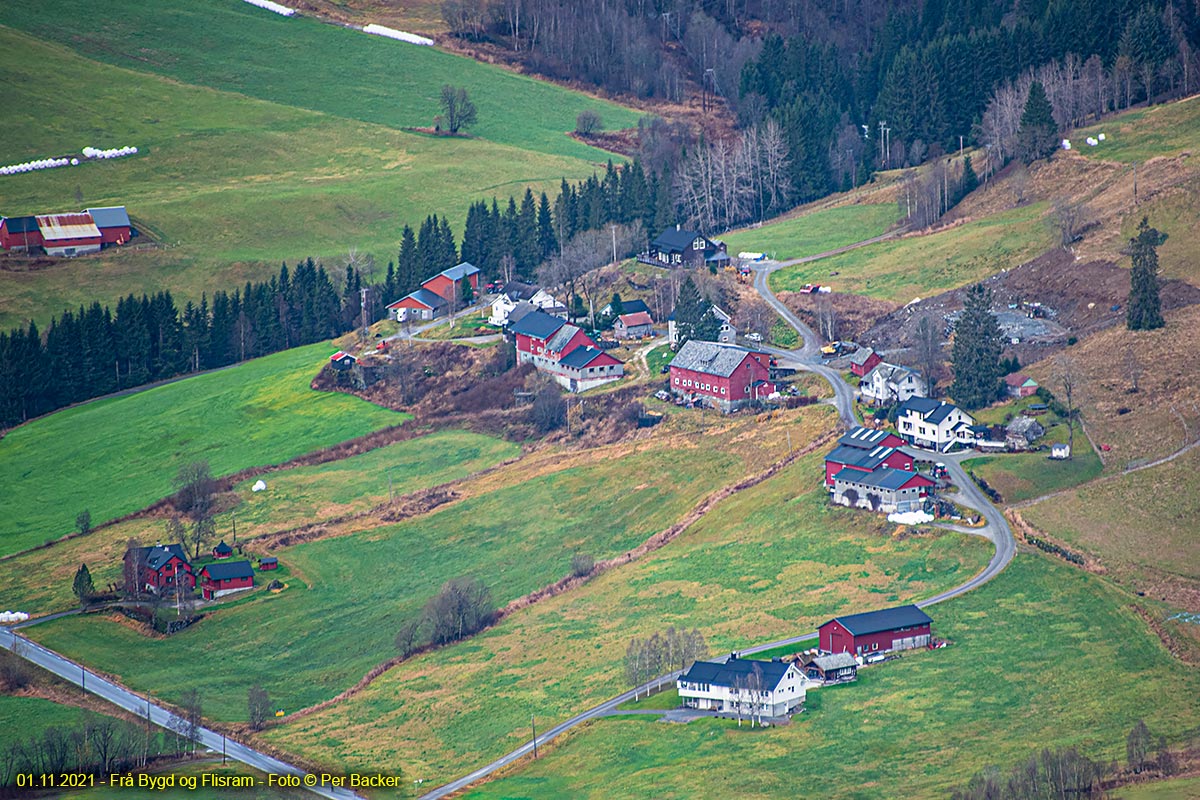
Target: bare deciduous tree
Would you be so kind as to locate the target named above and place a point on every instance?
(457, 109)
(258, 706)
(929, 352)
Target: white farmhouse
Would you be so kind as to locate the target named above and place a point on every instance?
(753, 688)
(934, 425)
(728, 334)
(889, 383)
(515, 292)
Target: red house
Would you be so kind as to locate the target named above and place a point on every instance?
(901, 628)
(163, 567)
(866, 461)
(449, 281)
(222, 550)
(113, 223)
(864, 360)
(20, 233)
(554, 346)
(220, 579)
(723, 375)
(1018, 384)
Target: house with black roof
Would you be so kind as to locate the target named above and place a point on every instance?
(20, 234)
(742, 685)
(900, 628)
(677, 247)
(161, 568)
(934, 424)
(552, 345)
(229, 576)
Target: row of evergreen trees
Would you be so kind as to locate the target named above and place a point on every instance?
(511, 241)
(93, 351)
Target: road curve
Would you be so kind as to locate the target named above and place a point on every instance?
(806, 357)
(119, 696)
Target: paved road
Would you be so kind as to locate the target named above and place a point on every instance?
(78, 675)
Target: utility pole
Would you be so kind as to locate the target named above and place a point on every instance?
(882, 156)
(233, 516)
(363, 299)
(533, 724)
(614, 243)
(960, 145)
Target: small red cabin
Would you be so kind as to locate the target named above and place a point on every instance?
(222, 550)
(267, 563)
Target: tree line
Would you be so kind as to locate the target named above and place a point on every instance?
(93, 351)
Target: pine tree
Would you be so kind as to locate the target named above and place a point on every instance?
(547, 242)
(528, 251)
(970, 181)
(83, 586)
(1037, 137)
(407, 278)
(1144, 310)
(690, 310)
(976, 353)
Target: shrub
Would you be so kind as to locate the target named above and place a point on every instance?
(587, 123)
(582, 565)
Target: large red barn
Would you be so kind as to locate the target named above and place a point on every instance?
(113, 223)
(900, 628)
(724, 375)
(69, 234)
(20, 233)
(447, 282)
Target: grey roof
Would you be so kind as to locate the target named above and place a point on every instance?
(891, 372)
(628, 307)
(834, 661)
(675, 239)
(881, 477)
(158, 555)
(229, 569)
(718, 256)
(538, 324)
(886, 620)
(932, 411)
(428, 298)
(21, 224)
(864, 438)
(517, 290)
(729, 673)
(861, 355)
(268, 560)
(1025, 426)
(562, 336)
(460, 271)
(519, 312)
(110, 217)
(711, 358)
(858, 457)
(580, 357)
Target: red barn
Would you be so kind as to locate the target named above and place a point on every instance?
(866, 461)
(162, 567)
(69, 234)
(724, 375)
(864, 360)
(113, 223)
(901, 628)
(20, 233)
(448, 282)
(220, 579)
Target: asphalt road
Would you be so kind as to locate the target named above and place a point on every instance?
(78, 675)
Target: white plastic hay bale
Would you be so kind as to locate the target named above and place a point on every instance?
(400, 36)
(259, 485)
(1066, 144)
(1101, 137)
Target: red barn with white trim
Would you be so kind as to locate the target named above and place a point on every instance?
(725, 375)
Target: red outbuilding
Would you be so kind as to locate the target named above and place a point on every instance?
(448, 282)
(222, 550)
(113, 223)
(864, 360)
(866, 461)
(231, 576)
(723, 375)
(901, 628)
(20, 233)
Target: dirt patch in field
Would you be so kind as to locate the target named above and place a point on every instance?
(855, 314)
(623, 141)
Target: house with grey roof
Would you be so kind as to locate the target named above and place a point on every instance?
(884, 489)
(744, 686)
(723, 376)
(934, 425)
(886, 384)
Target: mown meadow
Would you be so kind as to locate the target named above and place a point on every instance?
(814, 232)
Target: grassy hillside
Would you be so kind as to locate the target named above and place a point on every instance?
(235, 185)
(348, 595)
(232, 46)
(114, 456)
(1043, 656)
(771, 561)
(947, 259)
(814, 233)
(24, 717)
(40, 581)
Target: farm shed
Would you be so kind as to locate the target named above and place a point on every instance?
(221, 579)
(900, 628)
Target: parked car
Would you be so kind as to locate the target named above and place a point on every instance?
(754, 337)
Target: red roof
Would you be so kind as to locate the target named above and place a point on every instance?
(637, 318)
(339, 355)
(1016, 379)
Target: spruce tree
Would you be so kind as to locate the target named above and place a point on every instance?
(83, 586)
(976, 353)
(970, 181)
(1144, 310)
(407, 265)
(690, 309)
(547, 242)
(1037, 137)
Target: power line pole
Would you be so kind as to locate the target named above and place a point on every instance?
(363, 299)
(533, 724)
(882, 157)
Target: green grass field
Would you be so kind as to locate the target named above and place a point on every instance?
(25, 717)
(920, 266)
(768, 562)
(1147, 518)
(814, 233)
(1024, 476)
(40, 581)
(237, 184)
(1174, 789)
(1043, 656)
(114, 456)
(1144, 133)
(349, 595)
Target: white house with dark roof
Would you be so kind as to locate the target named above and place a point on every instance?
(934, 425)
(753, 688)
(887, 383)
(513, 294)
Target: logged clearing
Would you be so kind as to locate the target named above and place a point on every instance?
(1157, 419)
(771, 561)
(918, 727)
